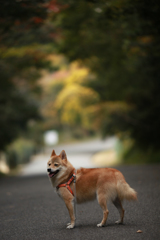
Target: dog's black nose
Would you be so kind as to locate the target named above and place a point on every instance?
(48, 169)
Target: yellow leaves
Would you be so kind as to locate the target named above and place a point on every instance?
(77, 76)
(71, 112)
(77, 93)
(67, 99)
(74, 98)
(73, 101)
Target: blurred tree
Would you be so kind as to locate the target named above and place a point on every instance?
(68, 103)
(74, 101)
(24, 33)
(119, 41)
(15, 109)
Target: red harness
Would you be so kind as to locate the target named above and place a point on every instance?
(67, 184)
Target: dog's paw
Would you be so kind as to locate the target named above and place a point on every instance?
(100, 225)
(70, 226)
(119, 222)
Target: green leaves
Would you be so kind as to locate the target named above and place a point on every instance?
(22, 57)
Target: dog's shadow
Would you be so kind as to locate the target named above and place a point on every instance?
(79, 225)
(110, 225)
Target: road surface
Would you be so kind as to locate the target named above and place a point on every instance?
(31, 210)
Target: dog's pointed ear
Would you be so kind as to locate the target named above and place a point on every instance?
(53, 153)
(63, 155)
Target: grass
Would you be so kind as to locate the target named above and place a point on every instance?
(132, 154)
(2, 175)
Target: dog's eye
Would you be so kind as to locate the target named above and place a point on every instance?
(55, 164)
(49, 164)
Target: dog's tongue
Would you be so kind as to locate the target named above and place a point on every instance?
(51, 174)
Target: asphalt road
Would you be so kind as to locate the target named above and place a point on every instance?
(30, 209)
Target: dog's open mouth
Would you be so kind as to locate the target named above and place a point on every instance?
(52, 174)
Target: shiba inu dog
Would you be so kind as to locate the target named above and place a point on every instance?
(102, 183)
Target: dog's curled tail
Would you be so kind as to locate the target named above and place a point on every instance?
(126, 192)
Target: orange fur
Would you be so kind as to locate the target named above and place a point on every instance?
(103, 183)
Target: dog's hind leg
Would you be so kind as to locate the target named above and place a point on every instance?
(117, 203)
(103, 203)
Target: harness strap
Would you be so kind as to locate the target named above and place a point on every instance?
(67, 184)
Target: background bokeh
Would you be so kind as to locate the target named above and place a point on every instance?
(84, 68)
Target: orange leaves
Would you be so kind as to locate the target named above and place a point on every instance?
(54, 6)
(37, 20)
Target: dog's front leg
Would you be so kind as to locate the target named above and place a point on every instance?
(70, 206)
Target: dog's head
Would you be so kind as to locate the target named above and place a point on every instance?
(57, 165)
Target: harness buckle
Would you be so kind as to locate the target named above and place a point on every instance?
(74, 175)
